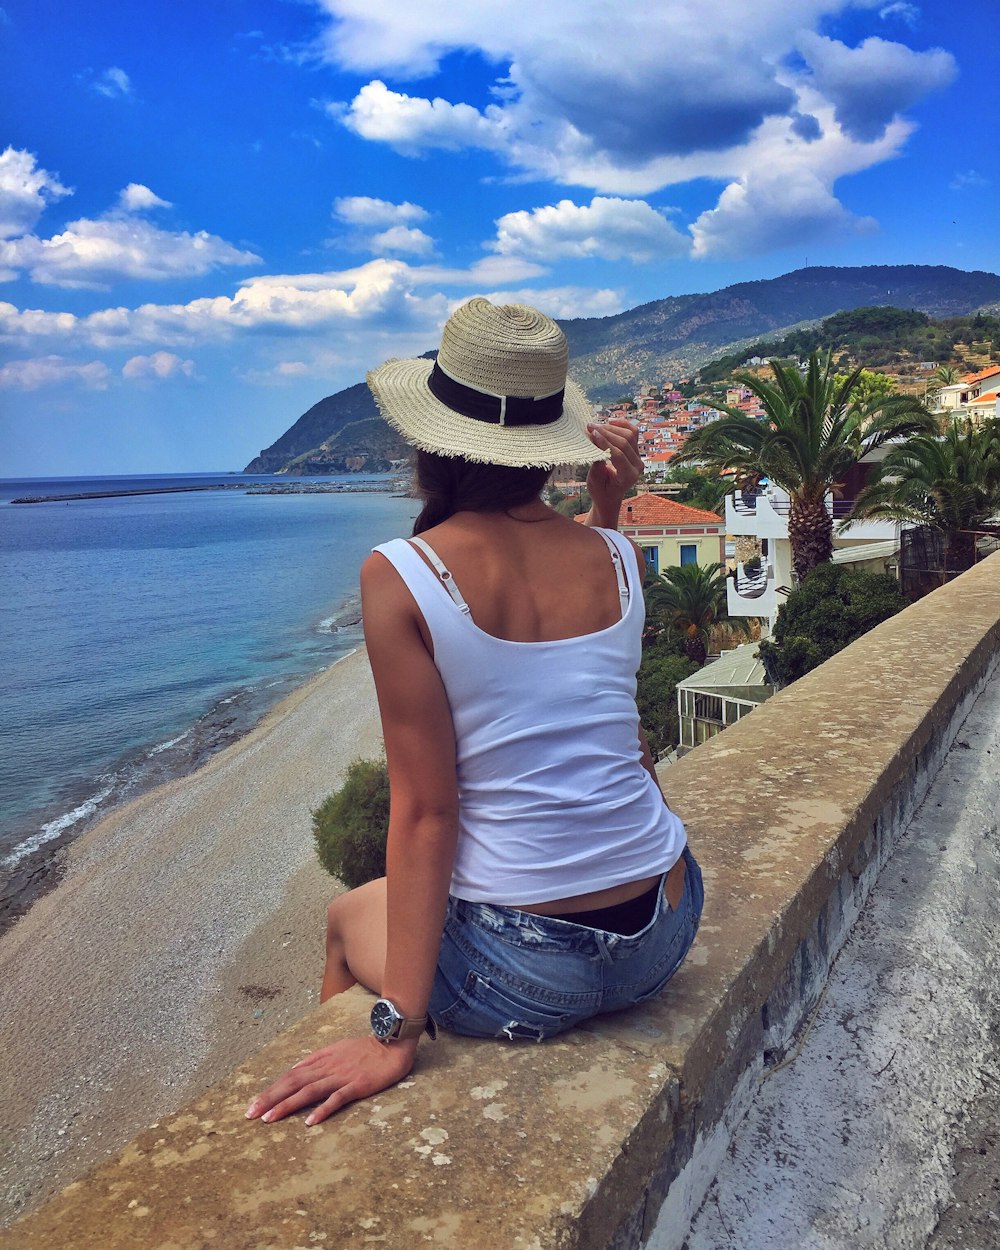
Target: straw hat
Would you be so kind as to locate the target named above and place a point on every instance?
(497, 393)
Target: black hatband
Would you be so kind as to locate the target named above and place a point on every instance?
(509, 410)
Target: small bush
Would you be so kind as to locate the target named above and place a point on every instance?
(833, 607)
(350, 827)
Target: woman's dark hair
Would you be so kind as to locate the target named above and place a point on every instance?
(450, 484)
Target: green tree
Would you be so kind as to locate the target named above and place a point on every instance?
(687, 600)
(350, 827)
(815, 428)
(656, 695)
(950, 483)
(573, 505)
(833, 606)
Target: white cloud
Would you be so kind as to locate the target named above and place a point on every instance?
(96, 253)
(411, 124)
(564, 302)
(135, 198)
(873, 83)
(113, 83)
(612, 229)
(25, 190)
(29, 375)
(158, 367)
(762, 213)
(402, 239)
(676, 92)
(901, 9)
(382, 294)
(366, 210)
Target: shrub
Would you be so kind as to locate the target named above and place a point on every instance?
(656, 696)
(833, 607)
(351, 825)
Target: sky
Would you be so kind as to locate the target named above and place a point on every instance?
(214, 214)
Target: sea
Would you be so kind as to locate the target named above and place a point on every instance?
(140, 633)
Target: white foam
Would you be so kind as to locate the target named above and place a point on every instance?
(165, 746)
(55, 827)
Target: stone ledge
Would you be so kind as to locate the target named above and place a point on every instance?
(607, 1137)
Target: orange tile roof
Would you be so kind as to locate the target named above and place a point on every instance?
(655, 510)
(972, 378)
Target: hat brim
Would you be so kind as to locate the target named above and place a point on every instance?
(404, 399)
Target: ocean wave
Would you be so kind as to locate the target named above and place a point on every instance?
(54, 828)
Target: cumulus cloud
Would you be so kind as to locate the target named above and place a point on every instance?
(135, 198)
(382, 227)
(159, 367)
(366, 210)
(113, 83)
(25, 190)
(689, 90)
(763, 212)
(871, 84)
(380, 294)
(30, 375)
(402, 239)
(563, 302)
(612, 229)
(92, 253)
(412, 124)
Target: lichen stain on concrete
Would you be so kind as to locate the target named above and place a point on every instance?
(434, 1136)
(592, 1089)
(170, 1158)
(488, 1091)
(441, 1230)
(494, 1111)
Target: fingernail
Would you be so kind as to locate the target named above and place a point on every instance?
(267, 1116)
(310, 1120)
(250, 1110)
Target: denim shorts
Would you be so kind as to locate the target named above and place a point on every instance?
(512, 974)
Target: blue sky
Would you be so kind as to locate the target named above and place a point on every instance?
(212, 215)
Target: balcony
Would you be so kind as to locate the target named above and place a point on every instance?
(752, 594)
(765, 515)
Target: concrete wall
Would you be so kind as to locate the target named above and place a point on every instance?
(607, 1138)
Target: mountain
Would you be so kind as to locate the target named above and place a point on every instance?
(667, 338)
(672, 337)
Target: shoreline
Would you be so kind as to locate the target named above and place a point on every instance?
(37, 861)
(186, 929)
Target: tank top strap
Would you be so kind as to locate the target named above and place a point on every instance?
(444, 573)
(616, 559)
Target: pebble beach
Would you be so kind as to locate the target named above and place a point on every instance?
(186, 931)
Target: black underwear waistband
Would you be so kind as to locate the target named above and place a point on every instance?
(625, 919)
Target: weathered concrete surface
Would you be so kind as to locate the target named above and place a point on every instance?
(578, 1143)
(851, 1146)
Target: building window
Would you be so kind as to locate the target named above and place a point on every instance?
(652, 555)
(689, 553)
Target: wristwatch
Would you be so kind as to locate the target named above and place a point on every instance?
(390, 1025)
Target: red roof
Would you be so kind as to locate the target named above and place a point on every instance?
(981, 376)
(655, 510)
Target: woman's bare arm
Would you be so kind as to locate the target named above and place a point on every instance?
(423, 829)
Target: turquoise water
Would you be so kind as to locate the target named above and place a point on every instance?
(139, 634)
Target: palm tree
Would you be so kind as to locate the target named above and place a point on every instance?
(816, 426)
(950, 483)
(689, 599)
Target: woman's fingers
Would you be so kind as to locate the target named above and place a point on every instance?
(339, 1074)
(304, 1097)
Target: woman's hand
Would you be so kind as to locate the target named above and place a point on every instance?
(333, 1077)
(609, 481)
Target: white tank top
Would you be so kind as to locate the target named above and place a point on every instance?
(553, 798)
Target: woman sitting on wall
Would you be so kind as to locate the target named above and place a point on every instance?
(535, 875)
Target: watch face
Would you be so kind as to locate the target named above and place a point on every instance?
(384, 1017)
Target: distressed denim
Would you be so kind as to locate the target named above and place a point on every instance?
(511, 974)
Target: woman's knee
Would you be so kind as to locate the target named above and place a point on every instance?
(347, 909)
